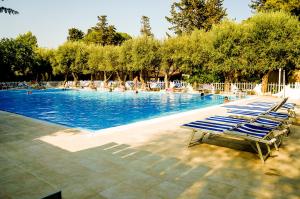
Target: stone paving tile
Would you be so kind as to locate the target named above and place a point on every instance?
(166, 190)
(125, 152)
(24, 185)
(116, 148)
(140, 180)
(216, 189)
(145, 162)
(123, 191)
(161, 167)
(136, 155)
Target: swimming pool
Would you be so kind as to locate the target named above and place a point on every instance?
(99, 110)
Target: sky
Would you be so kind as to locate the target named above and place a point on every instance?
(49, 20)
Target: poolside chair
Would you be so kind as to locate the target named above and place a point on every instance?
(287, 106)
(282, 117)
(254, 108)
(257, 121)
(270, 107)
(266, 104)
(248, 132)
(278, 129)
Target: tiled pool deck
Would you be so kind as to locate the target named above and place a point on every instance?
(147, 161)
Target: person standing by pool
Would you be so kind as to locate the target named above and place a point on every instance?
(135, 83)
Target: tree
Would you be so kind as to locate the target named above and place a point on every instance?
(126, 58)
(28, 39)
(197, 57)
(291, 6)
(111, 61)
(95, 58)
(228, 56)
(188, 15)
(7, 59)
(172, 57)
(71, 58)
(75, 34)
(18, 57)
(145, 56)
(43, 66)
(274, 42)
(105, 34)
(145, 27)
(8, 10)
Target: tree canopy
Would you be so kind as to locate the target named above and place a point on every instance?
(104, 34)
(188, 15)
(290, 6)
(145, 26)
(230, 51)
(9, 11)
(75, 34)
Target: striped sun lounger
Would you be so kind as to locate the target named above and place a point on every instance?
(286, 106)
(271, 114)
(258, 121)
(278, 128)
(252, 108)
(251, 133)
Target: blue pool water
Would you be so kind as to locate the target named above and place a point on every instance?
(98, 110)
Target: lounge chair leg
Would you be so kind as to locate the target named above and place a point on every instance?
(260, 153)
(269, 149)
(192, 137)
(192, 143)
(275, 145)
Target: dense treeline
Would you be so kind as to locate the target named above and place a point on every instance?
(228, 51)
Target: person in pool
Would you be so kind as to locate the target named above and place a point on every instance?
(226, 99)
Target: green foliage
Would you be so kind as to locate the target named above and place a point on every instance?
(7, 59)
(172, 55)
(8, 10)
(111, 57)
(188, 15)
(198, 50)
(71, 57)
(274, 42)
(229, 51)
(145, 54)
(228, 55)
(146, 28)
(17, 57)
(104, 34)
(290, 6)
(43, 65)
(95, 60)
(75, 34)
(27, 39)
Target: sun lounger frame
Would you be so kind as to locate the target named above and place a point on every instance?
(267, 140)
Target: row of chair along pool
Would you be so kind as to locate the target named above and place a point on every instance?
(260, 123)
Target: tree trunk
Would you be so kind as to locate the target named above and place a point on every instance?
(265, 80)
(125, 77)
(228, 80)
(92, 77)
(66, 80)
(75, 79)
(104, 79)
(119, 77)
(142, 80)
(92, 81)
(166, 80)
